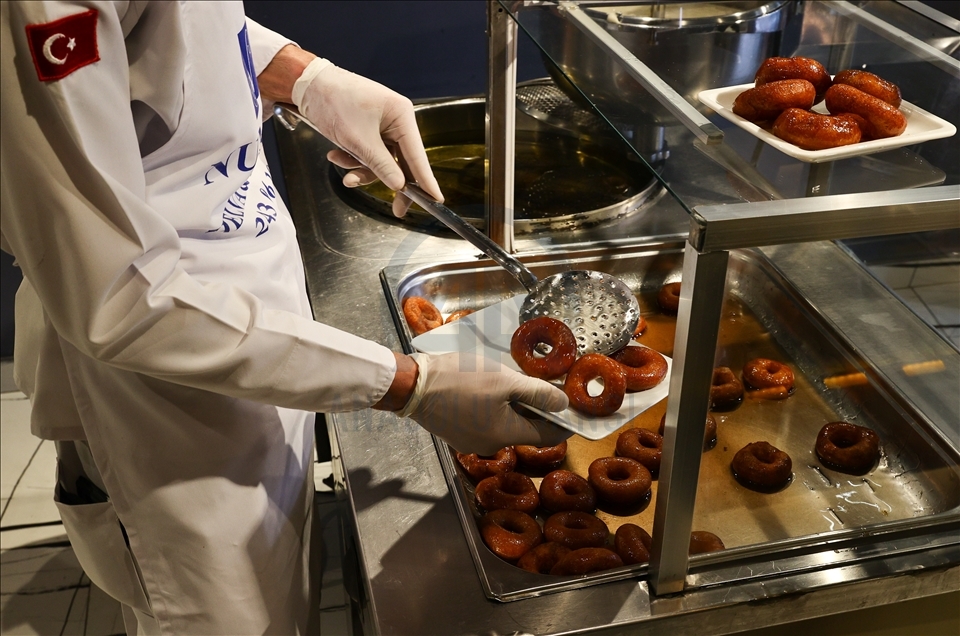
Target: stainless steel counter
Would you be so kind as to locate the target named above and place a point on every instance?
(416, 573)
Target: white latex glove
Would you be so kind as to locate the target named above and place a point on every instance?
(370, 122)
(465, 400)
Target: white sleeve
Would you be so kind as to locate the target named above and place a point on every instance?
(106, 266)
(264, 44)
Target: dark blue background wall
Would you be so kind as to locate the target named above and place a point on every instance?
(420, 49)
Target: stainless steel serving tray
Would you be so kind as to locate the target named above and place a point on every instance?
(915, 486)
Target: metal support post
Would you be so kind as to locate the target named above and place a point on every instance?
(698, 322)
(500, 123)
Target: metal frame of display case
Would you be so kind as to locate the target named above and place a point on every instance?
(715, 230)
(936, 57)
(500, 124)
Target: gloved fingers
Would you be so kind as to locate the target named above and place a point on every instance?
(359, 177)
(400, 205)
(539, 394)
(483, 446)
(472, 407)
(413, 159)
(550, 434)
(359, 174)
(381, 162)
(343, 159)
(514, 428)
(485, 437)
(473, 425)
(367, 120)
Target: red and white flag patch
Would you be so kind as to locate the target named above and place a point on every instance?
(62, 46)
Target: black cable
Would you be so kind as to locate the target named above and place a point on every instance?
(39, 524)
(66, 619)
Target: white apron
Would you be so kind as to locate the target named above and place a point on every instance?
(163, 315)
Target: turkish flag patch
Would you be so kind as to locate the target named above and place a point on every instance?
(62, 46)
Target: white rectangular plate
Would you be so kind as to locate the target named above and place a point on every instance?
(921, 126)
(489, 332)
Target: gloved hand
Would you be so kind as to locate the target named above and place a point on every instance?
(465, 399)
(371, 122)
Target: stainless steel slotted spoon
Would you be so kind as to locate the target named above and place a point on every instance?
(600, 309)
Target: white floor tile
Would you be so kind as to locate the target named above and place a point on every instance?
(75, 627)
(36, 589)
(6, 377)
(32, 502)
(17, 442)
(76, 619)
(13, 395)
(32, 506)
(32, 536)
(952, 334)
(943, 301)
(893, 277)
(41, 473)
(937, 275)
(93, 613)
(334, 623)
(32, 626)
(35, 614)
(911, 300)
(38, 570)
(103, 616)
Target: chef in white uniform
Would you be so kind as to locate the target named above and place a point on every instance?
(163, 331)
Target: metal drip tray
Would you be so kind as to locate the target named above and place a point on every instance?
(564, 180)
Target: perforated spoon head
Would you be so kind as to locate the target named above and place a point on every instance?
(601, 310)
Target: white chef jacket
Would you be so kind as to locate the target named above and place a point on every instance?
(138, 262)
(163, 316)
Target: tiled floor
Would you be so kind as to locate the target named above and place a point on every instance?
(43, 589)
(932, 291)
(45, 592)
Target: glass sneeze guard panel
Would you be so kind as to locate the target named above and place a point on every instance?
(694, 47)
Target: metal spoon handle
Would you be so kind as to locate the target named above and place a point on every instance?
(289, 115)
(466, 231)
